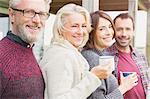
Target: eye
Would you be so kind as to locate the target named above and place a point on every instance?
(128, 29)
(29, 12)
(84, 26)
(101, 28)
(74, 26)
(119, 29)
(42, 13)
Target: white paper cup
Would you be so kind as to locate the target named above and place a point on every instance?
(103, 60)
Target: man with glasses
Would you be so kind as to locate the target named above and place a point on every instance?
(20, 75)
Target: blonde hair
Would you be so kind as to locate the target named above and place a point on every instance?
(61, 20)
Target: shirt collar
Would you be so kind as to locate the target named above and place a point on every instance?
(18, 40)
(132, 49)
(113, 50)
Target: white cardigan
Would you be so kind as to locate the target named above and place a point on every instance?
(66, 73)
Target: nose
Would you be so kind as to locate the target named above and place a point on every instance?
(36, 18)
(108, 31)
(123, 32)
(80, 30)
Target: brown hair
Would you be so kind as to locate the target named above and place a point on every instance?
(125, 16)
(95, 21)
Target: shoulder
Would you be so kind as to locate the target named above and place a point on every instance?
(7, 49)
(91, 56)
(139, 54)
(111, 50)
(58, 57)
(89, 53)
(58, 51)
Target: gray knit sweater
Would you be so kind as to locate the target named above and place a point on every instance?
(109, 88)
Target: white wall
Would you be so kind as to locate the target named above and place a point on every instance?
(140, 36)
(4, 23)
(48, 33)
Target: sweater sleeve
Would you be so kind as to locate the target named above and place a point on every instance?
(62, 83)
(100, 93)
(113, 95)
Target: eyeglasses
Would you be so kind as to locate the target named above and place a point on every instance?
(31, 13)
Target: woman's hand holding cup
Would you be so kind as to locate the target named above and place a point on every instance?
(102, 71)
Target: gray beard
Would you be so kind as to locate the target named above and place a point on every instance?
(27, 37)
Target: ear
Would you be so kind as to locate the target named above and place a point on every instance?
(11, 15)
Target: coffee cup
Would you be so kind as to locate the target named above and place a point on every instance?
(104, 60)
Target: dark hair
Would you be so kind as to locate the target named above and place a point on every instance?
(95, 21)
(125, 16)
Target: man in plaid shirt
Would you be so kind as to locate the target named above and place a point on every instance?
(127, 58)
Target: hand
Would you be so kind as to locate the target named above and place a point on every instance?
(128, 82)
(102, 71)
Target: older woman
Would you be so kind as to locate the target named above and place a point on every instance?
(100, 38)
(65, 70)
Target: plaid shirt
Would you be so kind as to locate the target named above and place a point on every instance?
(139, 59)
